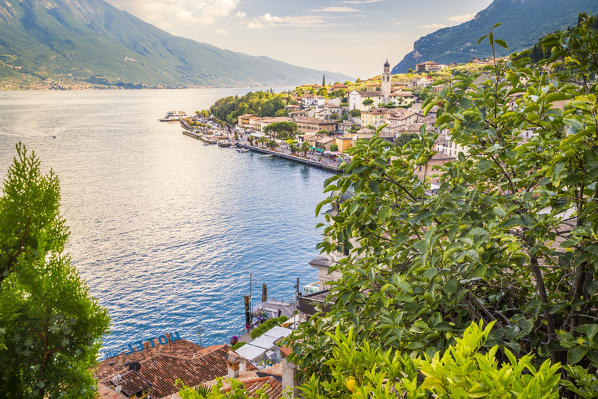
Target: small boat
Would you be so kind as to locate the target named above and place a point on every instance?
(206, 143)
(243, 150)
(209, 140)
(266, 155)
(173, 116)
(224, 143)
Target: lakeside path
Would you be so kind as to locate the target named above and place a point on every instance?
(268, 151)
(289, 156)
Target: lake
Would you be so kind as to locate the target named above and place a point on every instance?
(164, 230)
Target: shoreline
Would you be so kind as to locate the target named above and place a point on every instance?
(275, 153)
(289, 157)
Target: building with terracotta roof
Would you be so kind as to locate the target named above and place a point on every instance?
(344, 142)
(154, 370)
(428, 66)
(339, 86)
(378, 116)
(314, 125)
(244, 120)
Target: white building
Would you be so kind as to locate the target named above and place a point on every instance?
(423, 82)
(309, 100)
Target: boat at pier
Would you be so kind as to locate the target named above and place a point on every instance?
(209, 139)
(173, 116)
(224, 143)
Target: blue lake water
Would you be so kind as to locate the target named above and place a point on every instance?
(165, 230)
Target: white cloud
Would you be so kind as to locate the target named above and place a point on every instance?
(335, 9)
(163, 12)
(432, 26)
(272, 21)
(222, 31)
(461, 18)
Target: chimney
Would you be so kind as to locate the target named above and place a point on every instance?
(233, 363)
(289, 382)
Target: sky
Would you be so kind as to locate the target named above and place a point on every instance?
(353, 37)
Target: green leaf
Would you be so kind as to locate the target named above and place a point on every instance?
(576, 354)
(484, 165)
(590, 330)
(501, 43)
(559, 96)
(450, 288)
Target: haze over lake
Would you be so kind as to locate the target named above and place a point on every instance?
(164, 229)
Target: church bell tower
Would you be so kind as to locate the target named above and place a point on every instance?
(386, 82)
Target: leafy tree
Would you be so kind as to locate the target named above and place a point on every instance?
(367, 102)
(509, 238)
(262, 140)
(273, 143)
(305, 146)
(323, 92)
(333, 147)
(259, 103)
(355, 113)
(282, 130)
(50, 328)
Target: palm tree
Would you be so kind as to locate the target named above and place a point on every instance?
(305, 147)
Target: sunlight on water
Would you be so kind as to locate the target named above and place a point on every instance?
(164, 229)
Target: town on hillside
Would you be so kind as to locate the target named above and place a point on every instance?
(317, 123)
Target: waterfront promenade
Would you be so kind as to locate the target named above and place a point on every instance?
(291, 157)
(322, 164)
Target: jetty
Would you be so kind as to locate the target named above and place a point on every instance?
(190, 133)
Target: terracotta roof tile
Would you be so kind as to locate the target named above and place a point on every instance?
(130, 382)
(186, 361)
(271, 386)
(180, 348)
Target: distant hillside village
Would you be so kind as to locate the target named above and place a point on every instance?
(331, 118)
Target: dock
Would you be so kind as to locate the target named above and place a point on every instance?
(189, 133)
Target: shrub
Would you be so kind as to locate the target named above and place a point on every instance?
(237, 345)
(465, 370)
(355, 113)
(267, 325)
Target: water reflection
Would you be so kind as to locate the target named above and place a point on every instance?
(164, 229)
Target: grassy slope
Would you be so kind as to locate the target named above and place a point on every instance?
(90, 37)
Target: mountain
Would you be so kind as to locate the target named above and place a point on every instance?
(90, 40)
(523, 23)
